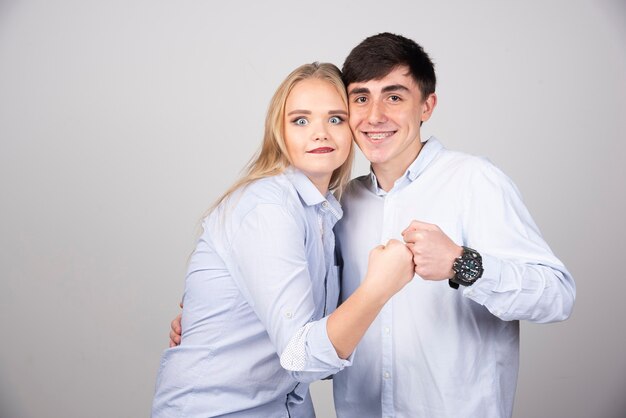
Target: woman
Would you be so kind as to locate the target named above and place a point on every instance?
(259, 319)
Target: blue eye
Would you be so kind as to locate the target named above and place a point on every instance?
(301, 121)
(335, 120)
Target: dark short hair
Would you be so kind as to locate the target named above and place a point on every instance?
(378, 55)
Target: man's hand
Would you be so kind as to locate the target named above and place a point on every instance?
(433, 251)
(176, 330)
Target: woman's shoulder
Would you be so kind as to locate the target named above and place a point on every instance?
(268, 190)
(269, 198)
(272, 190)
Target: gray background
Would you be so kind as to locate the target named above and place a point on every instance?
(122, 120)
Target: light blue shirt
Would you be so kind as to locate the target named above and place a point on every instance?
(260, 284)
(433, 351)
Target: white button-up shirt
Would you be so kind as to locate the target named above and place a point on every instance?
(434, 351)
(260, 283)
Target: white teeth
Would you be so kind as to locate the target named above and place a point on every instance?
(380, 135)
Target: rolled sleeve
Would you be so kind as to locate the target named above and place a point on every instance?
(310, 355)
(489, 282)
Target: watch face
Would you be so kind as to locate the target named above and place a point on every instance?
(468, 267)
(471, 269)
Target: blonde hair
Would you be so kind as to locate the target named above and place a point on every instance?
(272, 158)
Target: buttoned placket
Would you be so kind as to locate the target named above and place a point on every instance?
(328, 248)
(386, 314)
(320, 217)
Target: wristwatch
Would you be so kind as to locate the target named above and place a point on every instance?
(467, 268)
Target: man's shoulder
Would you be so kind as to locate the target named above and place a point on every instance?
(359, 181)
(463, 159)
(475, 172)
(461, 163)
(357, 185)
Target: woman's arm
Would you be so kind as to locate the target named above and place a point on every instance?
(268, 261)
(390, 268)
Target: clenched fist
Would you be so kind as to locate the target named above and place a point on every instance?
(433, 251)
(389, 269)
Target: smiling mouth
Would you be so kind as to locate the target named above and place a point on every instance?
(376, 136)
(321, 150)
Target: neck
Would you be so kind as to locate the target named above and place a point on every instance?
(320, 184)
(386, 177)
(387, 173)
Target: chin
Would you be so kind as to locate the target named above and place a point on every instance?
(375, 157)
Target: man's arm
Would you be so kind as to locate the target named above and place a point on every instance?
(522, 278)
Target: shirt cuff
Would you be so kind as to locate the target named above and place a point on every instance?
(322, 349)
(490, 282)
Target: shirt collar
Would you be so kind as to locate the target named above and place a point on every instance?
(427, 154)
(309, 194)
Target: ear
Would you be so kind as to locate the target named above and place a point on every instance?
(428, 106)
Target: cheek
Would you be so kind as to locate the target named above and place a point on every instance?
(353, 121)
(355, 116)
(344, 136)
(417, 117)
(291, 138)
(361, 144)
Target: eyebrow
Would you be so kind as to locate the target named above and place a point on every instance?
(386, 89)
(359, 90)
(394, 87)
(308, 112)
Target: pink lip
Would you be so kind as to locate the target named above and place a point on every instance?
(321, 150)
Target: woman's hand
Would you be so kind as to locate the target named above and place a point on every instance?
(389, 269)
(176, 329)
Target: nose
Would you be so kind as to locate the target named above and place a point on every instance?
(375, 114)
(320, 133)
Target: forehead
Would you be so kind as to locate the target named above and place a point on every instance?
(399, 78)
(314, 93)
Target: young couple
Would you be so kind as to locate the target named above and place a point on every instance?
(260, 318)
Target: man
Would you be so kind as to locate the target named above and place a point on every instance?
(437, 349)
(447, 345)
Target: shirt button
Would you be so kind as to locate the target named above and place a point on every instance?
(387, 330)
(386, 375)
(289, 315)
(324, 204)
